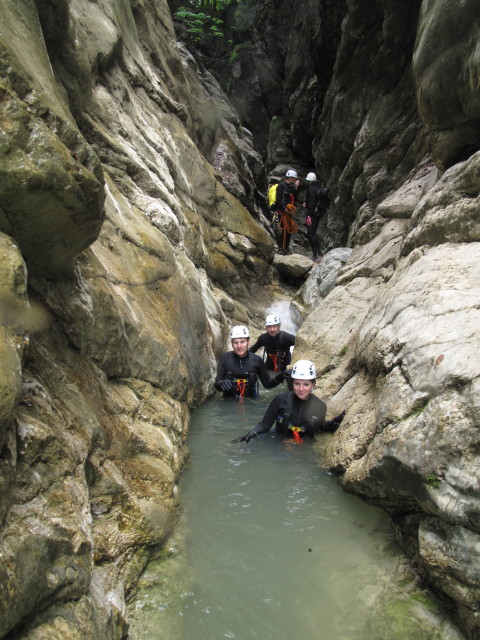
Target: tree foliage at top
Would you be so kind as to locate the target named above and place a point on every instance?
(201, 18)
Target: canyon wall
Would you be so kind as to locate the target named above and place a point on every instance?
(124, 259)
(132, 234)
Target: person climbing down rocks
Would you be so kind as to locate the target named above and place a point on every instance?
(238, 371)
(297, 413)
(317, 202)
(276, 344)
(285, 209)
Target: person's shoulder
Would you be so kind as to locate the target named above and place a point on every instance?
(317, 400)
(255, 359)
(282, 397)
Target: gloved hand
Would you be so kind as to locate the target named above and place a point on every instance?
(287, 374)
(225, 385)
(279, 377)
(338, 419)
(246, 438)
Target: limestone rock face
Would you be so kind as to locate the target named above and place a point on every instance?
(320, 281)
(446, 55)
(124, 181)
(395, 343)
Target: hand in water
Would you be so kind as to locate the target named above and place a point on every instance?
(246, 438)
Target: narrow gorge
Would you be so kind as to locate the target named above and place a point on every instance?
(134, 233)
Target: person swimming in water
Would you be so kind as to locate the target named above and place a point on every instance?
(276, 344)
(239, 370)
(296, 413)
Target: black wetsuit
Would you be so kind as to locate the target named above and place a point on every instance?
(288, 411)
(286, 194)
(243, 372)
(316, 205)
(277, 349)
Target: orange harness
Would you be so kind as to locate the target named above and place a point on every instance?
(241, 386)
(296, 431)
(287, 223)
(276, 357)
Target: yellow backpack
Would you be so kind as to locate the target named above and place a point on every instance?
(272, 194)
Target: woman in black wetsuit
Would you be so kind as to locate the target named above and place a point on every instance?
(296, 412)
(239, 369)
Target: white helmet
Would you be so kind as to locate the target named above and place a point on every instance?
(291, 174)
(272, 319)
(311, 177)
(240, 331)
(304, 370)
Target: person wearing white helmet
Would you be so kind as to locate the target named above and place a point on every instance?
(284, 207)
(276, 344)
(316, 203)
(296, 413)
(239, 370)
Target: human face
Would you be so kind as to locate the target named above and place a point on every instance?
(273, 330)
(240, 346)
(303, 388)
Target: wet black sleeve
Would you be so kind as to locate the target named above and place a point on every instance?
(265, 379)
(311, 200)
(281, 197)
(332, 425)
(289, 339)
(259, 343)
(270, 414)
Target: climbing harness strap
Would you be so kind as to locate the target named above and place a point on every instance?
(296, 431)
(287, 223)
(241, 384)
(277, 359)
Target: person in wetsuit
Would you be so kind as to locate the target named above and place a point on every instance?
(276, 344)
(316, 204)
(284, 208)
(238, 370)
(296, 413)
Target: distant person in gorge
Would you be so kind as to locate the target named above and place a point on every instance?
(284, 208)
(317, 202)
(239, 370)
(296, 413)
(276, 344)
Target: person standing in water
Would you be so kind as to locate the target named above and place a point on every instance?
(296, 413)
(276, 344)
(239, 370)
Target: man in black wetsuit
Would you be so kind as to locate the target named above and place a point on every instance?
(276, 344)
(316, 204)
(298, 412)
(238, 370)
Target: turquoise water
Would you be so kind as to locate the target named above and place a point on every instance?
(269, 546)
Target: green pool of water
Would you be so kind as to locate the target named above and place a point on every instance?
(268, 546)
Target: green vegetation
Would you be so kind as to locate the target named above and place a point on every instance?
(199, 24)
(201, 17)
(432, 480)
(416, 410)
(343, 351)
